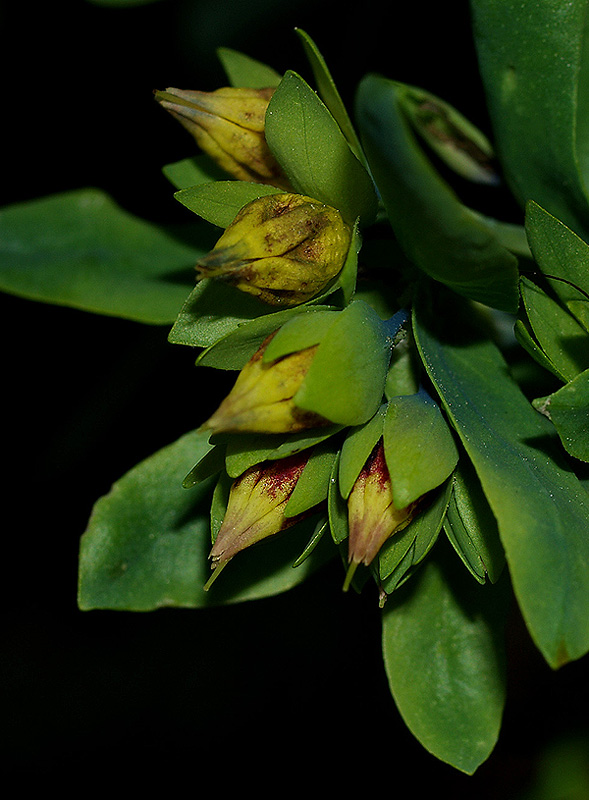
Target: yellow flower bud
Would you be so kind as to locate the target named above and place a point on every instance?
(255, 509)
(372, 514)
(282, 248)
(261, 400)
(228, 125)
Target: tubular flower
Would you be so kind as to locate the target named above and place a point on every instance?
(228, 125)
(372, 514)
(255, 509)
(283, 248)
(261, 400)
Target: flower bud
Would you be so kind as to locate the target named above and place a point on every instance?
(255, 509)
(261, 400)
(372, 514)
(282, 248)
(228, 125)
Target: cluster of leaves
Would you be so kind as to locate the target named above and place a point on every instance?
(409, 350)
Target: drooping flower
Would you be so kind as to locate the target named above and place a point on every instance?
(228, 124)
(261, 400)
(255, 510)
(283, 248)
(372, 514)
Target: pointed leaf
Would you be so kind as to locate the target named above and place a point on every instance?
(540, 506)
(438, 233)
(79, 249)
(345, 382)
(533, 62)
(245, 71)
(568, 408)
(419, 448)
(311, 149)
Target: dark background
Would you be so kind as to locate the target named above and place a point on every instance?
(266, 692)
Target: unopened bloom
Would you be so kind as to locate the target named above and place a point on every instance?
(228, 124)
(372, 514)
(261, 400)
(283, 248)
(255, 509)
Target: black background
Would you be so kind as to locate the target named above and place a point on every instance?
(283, 692)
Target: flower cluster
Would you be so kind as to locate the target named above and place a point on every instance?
(325, 377)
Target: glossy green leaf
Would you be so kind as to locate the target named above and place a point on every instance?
(147, 543)
(558, 333)
(219, 202)
(525, 338)
(444, 238)
(79, 249)
(313, 485)
(239, 340)
(540, 506)
(443, 652)
(243, 70)
(419, 448)
(193, 171)
(213, 310)
(345, 382)
(245, 450)
(471, 526)
(533, 63)
(356, 449)
(337, 507)
(561, 255)
(329, 93)
(313, 152)
(568, 408)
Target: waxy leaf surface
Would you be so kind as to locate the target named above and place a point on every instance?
(79, 249)
(541, 508)
(443, 652)
(438, 233)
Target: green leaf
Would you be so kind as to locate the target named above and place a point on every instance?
(345, 382)
(240, 339)
(244, 71)
(193, 171)
(212, 311)
(444, 238)
(558, 333)
(443, 651)
(337, 507)
(356, 449)
(313, 152)
(540, 506)
(561, 255)
(419, 448)
(533, 63)
(568, 408)
(245, 450)
(313, 485)
(79, 249)
(471, 526)
(147, 543)
(329, 93)
(219, 202)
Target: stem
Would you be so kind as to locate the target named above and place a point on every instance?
(218, 569)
